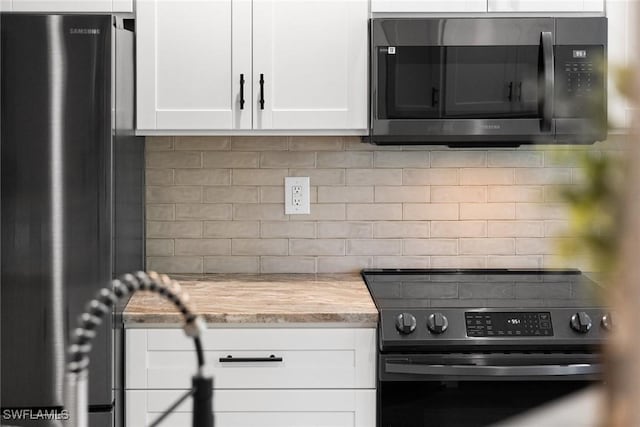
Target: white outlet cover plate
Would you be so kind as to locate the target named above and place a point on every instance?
(302, 205)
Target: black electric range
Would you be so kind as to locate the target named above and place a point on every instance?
(473, 347)
(466, 309)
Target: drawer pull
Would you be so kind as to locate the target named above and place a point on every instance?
(231, 359)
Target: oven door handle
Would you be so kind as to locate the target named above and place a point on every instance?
(546, 42)
(494, 370)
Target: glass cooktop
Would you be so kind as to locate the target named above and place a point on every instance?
(480, 288)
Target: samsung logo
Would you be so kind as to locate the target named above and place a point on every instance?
(89, 31)
(491, 127)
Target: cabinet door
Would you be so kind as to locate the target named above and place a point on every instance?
(621, 51)
(5, 5)
(264, 408)
(545, 5)
(62, 6)
(187, 76)
(429, 5)
(123, 5)
(312, 57)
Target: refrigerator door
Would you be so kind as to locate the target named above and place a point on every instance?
(56, 219)
(128, 158)
(128, 199)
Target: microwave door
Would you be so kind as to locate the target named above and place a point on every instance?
(409, 82)
(526, 88)
(492, 82)
(479, 82)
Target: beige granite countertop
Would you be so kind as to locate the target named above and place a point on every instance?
(261, 298)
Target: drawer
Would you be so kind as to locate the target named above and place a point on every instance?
(264, 408)
(302, 358)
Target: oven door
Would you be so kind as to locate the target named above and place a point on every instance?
(475, 389)
(438, 80)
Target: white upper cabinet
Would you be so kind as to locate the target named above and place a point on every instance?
(186, 70)
(545, 6)
(193, 56)
(122, 5)
(428, 5)
(487, 6)
(622, 51)
(67, 5)
(594, 6)
(312, 59)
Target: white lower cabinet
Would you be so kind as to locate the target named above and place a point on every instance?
(302, 376)
(260, 408)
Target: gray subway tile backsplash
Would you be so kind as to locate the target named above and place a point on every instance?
(215, 205)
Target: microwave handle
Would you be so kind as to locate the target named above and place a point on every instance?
(493, 370)
(546, 40)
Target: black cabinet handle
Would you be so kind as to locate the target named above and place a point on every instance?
(262, 91)
(435, 96)
(519, 91)
(242, 91)
(231, 359)
(510, 96)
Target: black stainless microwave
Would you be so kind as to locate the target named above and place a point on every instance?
(488, 81)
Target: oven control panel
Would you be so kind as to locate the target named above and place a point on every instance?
(445, 328)
(508, 324)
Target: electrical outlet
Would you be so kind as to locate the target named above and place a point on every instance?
(296, 195)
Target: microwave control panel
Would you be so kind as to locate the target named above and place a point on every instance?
(579, 81)
(578, 77)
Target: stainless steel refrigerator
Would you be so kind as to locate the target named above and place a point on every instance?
(71, 194)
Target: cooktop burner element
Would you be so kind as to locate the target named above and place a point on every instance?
(495, 309)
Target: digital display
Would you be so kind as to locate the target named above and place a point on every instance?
(579, 53)
(501, 324)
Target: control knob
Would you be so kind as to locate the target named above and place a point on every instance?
(437, 323)
(581, 322)
(405, 323)
(607, 321)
